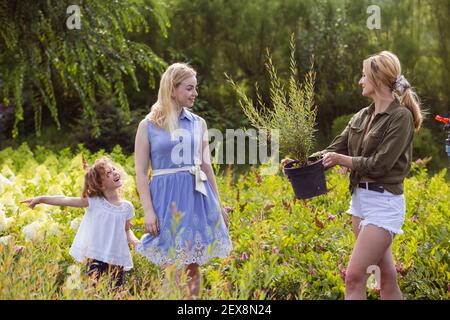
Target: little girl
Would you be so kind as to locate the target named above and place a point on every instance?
(105, 230)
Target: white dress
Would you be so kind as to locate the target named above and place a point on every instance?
(101, 235)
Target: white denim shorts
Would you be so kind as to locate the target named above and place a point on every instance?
(385, 210)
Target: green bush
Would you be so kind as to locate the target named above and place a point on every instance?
(339, 124)
(283, 248)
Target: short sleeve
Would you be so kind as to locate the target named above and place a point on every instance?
(130, 213)
(92, 202)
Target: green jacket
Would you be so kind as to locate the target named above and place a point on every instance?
(384, 154)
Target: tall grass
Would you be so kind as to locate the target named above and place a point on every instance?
(283, 248)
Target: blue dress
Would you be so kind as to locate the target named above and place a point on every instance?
(192, 229)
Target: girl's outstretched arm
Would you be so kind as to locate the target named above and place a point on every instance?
(57, 201)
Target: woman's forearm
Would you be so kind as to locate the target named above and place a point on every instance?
(330, 159)
(346, 161)
(144, 193)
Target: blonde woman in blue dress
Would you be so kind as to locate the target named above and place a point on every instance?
(174, 142)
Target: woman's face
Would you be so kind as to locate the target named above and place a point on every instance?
(368, 89)
(186, 92)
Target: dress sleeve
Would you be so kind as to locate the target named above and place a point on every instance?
(130, 214)
(92, 202)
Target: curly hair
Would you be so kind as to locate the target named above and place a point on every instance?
(93, 177)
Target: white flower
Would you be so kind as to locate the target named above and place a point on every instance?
(51, 210)
(64, 181)
(32, 231)
(8, 199)
(5, 222)
(43, 174)
(55, 189)
(50, 228)
(30, 215)
(75, 223)
(5, 240)
(38, 229)
(4, 182)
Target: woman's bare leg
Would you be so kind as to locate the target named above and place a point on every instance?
(389, 286)
(371, 245)
(355, 225)
(193, 276)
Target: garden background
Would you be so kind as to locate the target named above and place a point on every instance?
(66, 91)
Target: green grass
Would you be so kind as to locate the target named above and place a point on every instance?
(283, 248)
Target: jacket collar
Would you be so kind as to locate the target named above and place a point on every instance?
(394, 104)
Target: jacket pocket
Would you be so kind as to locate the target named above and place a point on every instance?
(355, 136)
(371, 142)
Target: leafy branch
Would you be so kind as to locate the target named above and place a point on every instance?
(40, 57)
(293, 111)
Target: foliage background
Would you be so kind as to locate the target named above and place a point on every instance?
(283, 248)
(215, 36)
(62, 88)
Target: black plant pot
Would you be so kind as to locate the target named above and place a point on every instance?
(308, 181)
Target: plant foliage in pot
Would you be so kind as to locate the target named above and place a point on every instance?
(293, 115)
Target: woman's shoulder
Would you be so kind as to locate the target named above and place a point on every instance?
(127, 204)
(192, 115)
(402, 111)
(145, 121)
(402, 117)
(195, 117)
(146, 124)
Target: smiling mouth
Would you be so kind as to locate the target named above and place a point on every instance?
(116, 180)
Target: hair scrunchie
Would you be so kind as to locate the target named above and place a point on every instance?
(401, 84)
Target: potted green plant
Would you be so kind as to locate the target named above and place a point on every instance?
(293, 115)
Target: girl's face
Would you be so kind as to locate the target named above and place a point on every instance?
(368, 89)
(186, 92)
(111, 179)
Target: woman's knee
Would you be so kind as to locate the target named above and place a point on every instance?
(355, 278)
(388, 279)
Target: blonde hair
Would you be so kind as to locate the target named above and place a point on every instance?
(164, 112)
(93, 186)
(384, 68)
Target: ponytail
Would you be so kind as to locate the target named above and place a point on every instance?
(410, 100)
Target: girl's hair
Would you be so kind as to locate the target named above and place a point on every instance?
(385, 68)
(93, 177)
(164, 112)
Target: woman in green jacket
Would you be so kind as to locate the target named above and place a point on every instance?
(377, 147)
